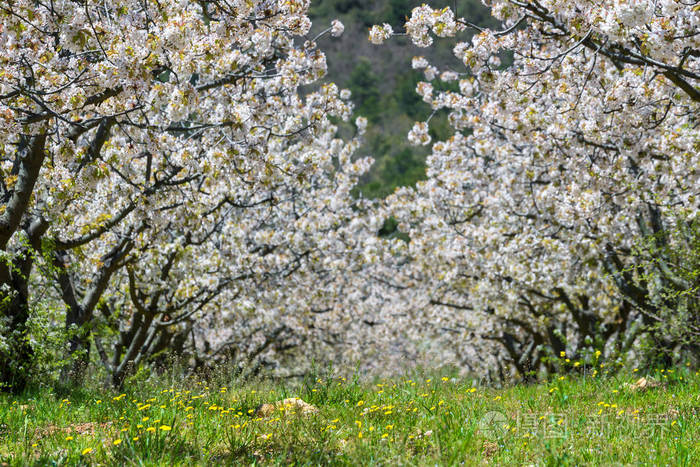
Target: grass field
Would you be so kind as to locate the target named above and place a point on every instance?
(406, 421)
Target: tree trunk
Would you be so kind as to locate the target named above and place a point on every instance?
(16, 357)
(79, 353)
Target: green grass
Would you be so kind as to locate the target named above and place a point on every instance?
(421, 420)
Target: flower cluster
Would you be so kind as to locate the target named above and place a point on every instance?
(378, 34)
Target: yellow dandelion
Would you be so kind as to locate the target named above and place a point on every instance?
(85, 451)
(165, 428)
(69, 438)
(151, 429)
(117, 442)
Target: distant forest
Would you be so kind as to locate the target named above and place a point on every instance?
(383, 84)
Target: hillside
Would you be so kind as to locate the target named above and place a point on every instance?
(383, 83)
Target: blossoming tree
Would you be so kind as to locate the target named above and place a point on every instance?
(233, 278)
(115, 117)
(562, 162)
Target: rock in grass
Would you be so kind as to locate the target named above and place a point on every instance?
(292, 405)
(643, 384)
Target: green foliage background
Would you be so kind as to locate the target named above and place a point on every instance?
(383, 83)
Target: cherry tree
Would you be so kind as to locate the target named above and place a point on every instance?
(114, 116)
(239, 279)
(562, 162)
